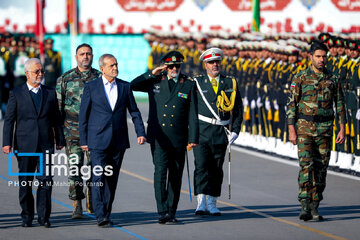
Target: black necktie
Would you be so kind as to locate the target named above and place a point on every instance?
(171, 84)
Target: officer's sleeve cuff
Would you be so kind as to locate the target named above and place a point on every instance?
(291, 121)
(149, 75)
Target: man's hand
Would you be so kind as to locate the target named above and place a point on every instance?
(190, 146)
(340, 138)
(292, 134)
(7, 149)
(141, 140)
(59, 147)
(232, 137)
(158, 70)
(85, 148)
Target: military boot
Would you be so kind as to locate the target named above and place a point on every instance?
(78, 211)
(89, 205)
(314, 211)
(201, 206)
(214, 211)
(305, 213)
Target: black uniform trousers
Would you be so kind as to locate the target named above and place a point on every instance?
(208, 174)
(169, 166)
(104, 187)
(43, 194)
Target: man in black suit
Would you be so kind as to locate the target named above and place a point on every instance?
(103, 131)
(33, 111)
(172, 125)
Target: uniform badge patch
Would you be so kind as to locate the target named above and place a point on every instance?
(293, 85)
(182, 95)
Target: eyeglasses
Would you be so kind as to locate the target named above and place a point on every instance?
(37, 72)
(173, 65)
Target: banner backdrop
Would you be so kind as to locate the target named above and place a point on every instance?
(136, 16)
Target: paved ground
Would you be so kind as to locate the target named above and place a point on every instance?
(263, 204)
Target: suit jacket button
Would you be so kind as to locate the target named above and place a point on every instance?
(172, 115)
(165, 105)
(173, 106)
(171, 125)
(163, 124)
(164, 115)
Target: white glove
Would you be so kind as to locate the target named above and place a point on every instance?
(245, 102)
(276, 106)
(253, 104)
(267, 105)
(232, 137)
(358, 114)
(259, 104)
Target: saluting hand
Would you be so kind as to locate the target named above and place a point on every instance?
(158, 70)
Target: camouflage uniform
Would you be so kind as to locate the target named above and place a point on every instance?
(69, 89)
(310, 108)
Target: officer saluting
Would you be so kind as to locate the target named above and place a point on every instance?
(172, 125)
(220, 117)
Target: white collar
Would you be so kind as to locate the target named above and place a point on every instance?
(106, 82)
(34, 89)
(216, 78)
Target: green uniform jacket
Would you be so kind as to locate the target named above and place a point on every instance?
(172, 115)
(215, 134)
(313, 95)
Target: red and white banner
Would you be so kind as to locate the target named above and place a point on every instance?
(136, 16)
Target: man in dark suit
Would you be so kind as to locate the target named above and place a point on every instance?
(33, 109)
(172, 125)
(220, 118)
(103, 131)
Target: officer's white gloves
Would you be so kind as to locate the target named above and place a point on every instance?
(259, 104)
(245, 102)
(358, 114)
(253, 104)
(267, 105)
(276, 106)
(232, 137)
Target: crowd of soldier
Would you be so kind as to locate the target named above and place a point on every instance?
(15, 50)
(264, 66)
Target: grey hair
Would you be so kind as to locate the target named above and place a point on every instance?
(101, 59)
(30, 62)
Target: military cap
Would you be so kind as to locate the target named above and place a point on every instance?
(291, 50)
(324, 37)
(172, 57)
(212, 54)
(352, 45)
(331, 42)
(49, 40)
(339, 42)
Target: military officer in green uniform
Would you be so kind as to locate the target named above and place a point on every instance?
(69, 90)
(220, 118)
(172, 125)
(310, 118)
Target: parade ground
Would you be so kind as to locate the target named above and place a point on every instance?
(263, 203)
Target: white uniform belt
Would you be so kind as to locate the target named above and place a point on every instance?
(214, 121)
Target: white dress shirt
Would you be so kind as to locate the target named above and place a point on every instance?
(33, 89)
(111, 92)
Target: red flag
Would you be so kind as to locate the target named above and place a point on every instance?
(40, 29)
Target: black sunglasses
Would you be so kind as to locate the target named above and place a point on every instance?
(171, 66)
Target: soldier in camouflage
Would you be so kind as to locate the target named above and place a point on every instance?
(310, 118)
(69, 89)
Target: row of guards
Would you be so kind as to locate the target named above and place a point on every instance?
(264, 66)
(15, 50)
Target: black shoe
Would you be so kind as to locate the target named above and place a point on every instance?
(163, 218)
(172, 221)
(201, 213)
(103, 222)
(44, 223)
(26, 224)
